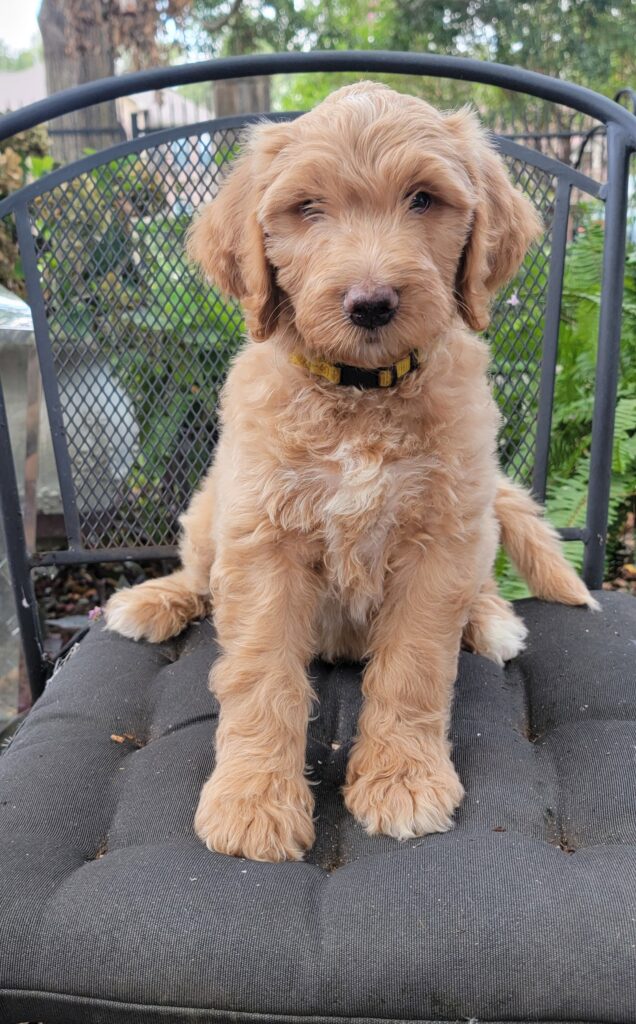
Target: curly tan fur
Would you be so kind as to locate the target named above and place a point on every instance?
(333, 520)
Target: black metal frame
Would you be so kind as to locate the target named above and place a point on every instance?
(620, 125)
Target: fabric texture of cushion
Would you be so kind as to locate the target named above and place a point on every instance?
(112, 911)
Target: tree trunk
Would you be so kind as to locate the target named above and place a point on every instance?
(74, 54)
(242, 96)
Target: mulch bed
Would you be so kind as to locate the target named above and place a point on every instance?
(77, 590)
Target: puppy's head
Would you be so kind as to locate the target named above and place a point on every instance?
(362, 229)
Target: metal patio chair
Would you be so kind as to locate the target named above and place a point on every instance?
(111, 910)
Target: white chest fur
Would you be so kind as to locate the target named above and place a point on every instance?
(354, 500)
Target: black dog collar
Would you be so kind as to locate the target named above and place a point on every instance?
(355, 376)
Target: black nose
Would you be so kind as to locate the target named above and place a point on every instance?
(371, 307)
(371, 314)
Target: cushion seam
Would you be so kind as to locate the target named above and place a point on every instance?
(257, 1016)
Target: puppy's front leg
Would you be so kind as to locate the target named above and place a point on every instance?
(257, 802)
(400, 779)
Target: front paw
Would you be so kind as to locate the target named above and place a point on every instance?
(395, 797)
(144, 612)
(268, 819)
(155, 610)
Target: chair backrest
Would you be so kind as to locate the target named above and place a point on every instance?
(133, 347)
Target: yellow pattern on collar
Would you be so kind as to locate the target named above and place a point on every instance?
(321, 369)
(333, 372)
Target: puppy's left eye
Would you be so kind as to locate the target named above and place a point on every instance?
(420, 201)
(310, 209)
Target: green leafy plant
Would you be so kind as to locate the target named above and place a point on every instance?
(574, 397)
(22, 158)
(120, 293)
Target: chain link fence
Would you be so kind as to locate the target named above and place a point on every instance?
(141, 345)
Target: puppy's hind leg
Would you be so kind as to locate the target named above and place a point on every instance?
(493, 629)
(158, 609)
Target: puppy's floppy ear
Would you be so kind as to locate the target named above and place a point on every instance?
(504, 223)
(226, 239)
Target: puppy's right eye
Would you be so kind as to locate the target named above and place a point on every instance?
(420, 201)
(310, 209)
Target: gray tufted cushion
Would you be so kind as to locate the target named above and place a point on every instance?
(112, 911)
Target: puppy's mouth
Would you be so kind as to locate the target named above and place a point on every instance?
(371, 335)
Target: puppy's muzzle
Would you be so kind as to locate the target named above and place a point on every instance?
(371, 307)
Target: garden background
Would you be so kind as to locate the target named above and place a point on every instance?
(132, 217)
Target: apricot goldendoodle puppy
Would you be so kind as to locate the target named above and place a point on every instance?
(356, 470)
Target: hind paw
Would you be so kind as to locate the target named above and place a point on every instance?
(498, 637)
